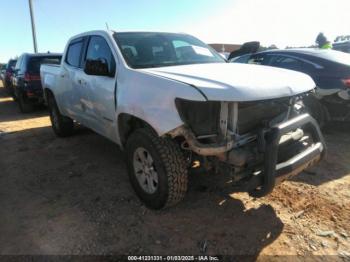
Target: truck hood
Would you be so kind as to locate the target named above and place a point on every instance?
(238, 82)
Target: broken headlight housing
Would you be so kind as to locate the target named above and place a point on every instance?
(201, 117)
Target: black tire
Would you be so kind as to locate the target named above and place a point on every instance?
(169, 164)
(62, 126)
(316, 110)
(24, 105)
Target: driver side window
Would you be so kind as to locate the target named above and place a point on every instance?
(99, 49)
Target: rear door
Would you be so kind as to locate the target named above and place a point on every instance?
(71, 93)
(100, 90)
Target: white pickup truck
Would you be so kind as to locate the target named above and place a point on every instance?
(171, 101)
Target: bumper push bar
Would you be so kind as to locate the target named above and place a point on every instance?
(273, 172)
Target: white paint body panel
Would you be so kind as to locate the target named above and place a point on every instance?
(149, 94)
(239, 82)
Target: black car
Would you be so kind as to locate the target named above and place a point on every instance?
(7, 78)
(328, 68)
(26, 80)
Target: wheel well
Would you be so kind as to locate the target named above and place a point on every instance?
(127, 124)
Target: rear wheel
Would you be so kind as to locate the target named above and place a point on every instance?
(157, 169)
(61, 125)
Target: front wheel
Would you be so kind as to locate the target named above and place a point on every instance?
(61, 125)
(157, 169)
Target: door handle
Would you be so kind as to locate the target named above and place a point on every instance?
(63, 75)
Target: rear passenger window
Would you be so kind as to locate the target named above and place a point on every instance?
(73, 53)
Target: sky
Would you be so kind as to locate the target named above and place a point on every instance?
(280, 22)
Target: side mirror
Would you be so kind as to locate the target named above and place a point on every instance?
(98, 67)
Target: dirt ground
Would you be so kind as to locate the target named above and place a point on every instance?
(72, 196)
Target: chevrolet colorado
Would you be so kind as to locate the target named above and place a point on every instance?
(169, 101)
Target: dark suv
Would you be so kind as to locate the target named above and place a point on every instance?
(7, 80)
(26, 80)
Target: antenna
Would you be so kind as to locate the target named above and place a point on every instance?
(31, 11)
(107, 26)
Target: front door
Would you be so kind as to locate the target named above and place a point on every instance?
(100, 91)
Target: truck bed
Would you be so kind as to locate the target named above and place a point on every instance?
(49, 74)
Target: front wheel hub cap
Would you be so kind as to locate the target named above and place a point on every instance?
(145, 170)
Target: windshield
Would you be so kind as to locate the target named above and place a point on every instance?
(145, 50)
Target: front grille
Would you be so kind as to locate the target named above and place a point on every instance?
(255, 115)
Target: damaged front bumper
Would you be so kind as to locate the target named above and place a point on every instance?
(272, 171)
(200, 148)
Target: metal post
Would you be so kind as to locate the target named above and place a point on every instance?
(33, 26)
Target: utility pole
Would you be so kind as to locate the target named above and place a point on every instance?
(33, 26)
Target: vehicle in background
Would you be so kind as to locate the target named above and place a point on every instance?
(246, 48)
(3, 72)
(342, 46)
(26, 82)
(225, 55)
(7, 81)
(328, 68)
(170, 101)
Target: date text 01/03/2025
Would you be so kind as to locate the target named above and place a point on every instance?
(173, 258)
